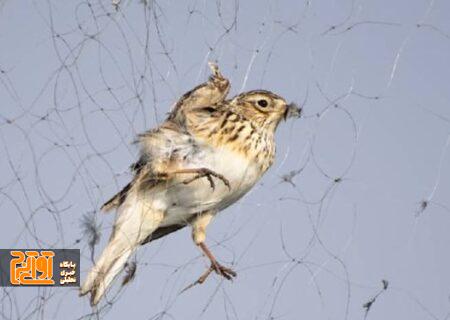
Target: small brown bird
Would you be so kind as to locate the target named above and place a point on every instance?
(207, 154)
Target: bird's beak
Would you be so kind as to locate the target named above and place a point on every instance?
(292, 111)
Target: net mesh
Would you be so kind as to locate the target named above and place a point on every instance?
(349, 223)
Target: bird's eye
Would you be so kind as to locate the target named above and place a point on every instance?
(262, 103)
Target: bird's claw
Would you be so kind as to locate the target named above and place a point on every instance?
(225, 272)
(209, 174)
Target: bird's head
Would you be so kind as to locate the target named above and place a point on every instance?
(264, 108)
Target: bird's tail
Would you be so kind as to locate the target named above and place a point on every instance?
(136, 220)
(109, 265)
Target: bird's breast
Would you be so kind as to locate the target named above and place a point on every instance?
(233, 149)
(183, 200)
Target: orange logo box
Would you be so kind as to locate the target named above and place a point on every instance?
(36, 267)
(26, 266)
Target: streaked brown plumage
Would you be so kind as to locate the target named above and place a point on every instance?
(203, 158)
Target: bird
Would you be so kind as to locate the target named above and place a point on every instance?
(207, 154)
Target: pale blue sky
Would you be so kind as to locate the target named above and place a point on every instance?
(80, 80)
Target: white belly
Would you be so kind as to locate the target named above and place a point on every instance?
(181, 200)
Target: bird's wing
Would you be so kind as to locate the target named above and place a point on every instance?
(159, 145)
(160, 150)
(208, 94)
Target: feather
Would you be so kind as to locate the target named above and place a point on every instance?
(136, 220)
(116, 200)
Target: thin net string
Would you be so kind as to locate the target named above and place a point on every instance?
(80, 80)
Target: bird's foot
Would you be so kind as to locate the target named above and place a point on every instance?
(204, 172)
(225, 272)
